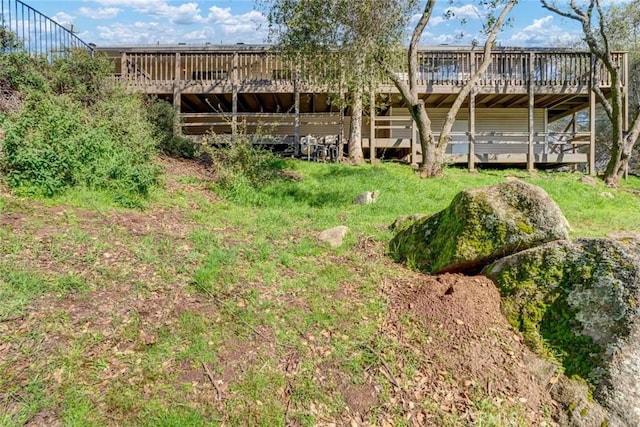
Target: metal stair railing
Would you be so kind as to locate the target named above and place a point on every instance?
(22, 28)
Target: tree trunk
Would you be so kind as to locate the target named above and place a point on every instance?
(355, 133)
(432, 162)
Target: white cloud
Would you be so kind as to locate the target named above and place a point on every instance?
(100, 13)
(250, 24)
(184, 14)
(467, 11)
(63, 19)
(542, 32)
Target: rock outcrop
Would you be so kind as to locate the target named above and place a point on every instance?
(581, 300)
(333, 236)
(479, 226)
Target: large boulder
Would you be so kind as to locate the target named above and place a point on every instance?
(579, 302)
(479, 226)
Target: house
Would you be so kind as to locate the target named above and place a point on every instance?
(507, 119)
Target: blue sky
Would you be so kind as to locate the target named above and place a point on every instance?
(127, 22)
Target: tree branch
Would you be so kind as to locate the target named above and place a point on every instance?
(560, 12)
(466, 89)
(415, 41)
(603, 101)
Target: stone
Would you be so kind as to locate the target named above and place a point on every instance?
(366, 198)
(479, 226)
(607, 195)
(589, 180)
(581, 299)
(334, 236)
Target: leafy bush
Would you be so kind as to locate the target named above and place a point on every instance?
(241, 168)
(53, 143)
(72, 127)
(21, 72)
(81, 76)
(165, 120)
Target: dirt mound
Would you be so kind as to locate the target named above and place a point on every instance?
(467, 349)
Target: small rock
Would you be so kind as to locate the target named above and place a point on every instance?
(607, 195)
(589, 180)
(366, 198)
(334, 236)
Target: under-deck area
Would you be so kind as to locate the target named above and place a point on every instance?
(530, 107)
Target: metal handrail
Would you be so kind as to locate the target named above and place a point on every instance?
(36, 33)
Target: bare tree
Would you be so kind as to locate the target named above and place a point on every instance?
(372, 32)
(597, 38)
(433, 151)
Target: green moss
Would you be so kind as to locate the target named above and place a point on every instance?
(535, 302)
(525, 227)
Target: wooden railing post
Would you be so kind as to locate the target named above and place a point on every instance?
(234, 96)
(177, 92)
(530, 152)
(124, 68)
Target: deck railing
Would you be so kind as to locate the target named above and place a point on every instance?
(436, 67)
(24, 28)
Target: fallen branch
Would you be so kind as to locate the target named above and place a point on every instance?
(213, 381)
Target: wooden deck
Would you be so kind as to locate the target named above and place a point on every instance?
(218, 88)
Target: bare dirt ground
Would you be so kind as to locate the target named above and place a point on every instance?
(468, 366)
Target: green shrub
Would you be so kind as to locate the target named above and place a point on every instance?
(21, 72)
(240, 167)
(165, 121)
(72, 127)
(81, 75)
(53, 143)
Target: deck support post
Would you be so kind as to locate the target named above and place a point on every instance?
(625, 105)
(472, 130)
(592, 133)
(414, 143)
(372, 125)
(296, 117)
(341, 136)
(530, 151)
(177, 92)
(234, 97)
(124, 68)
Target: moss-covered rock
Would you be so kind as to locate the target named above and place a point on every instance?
(578, 302)
(479, 226)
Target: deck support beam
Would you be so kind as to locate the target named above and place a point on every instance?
(472, 130)
(592, 133)
(372, 125)
(234, 96)
(414, 143)
(177, 92)
(625, 107)
(296, 118)
(124, 68)
(531, 111)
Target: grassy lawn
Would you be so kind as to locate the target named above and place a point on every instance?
(203, 310)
